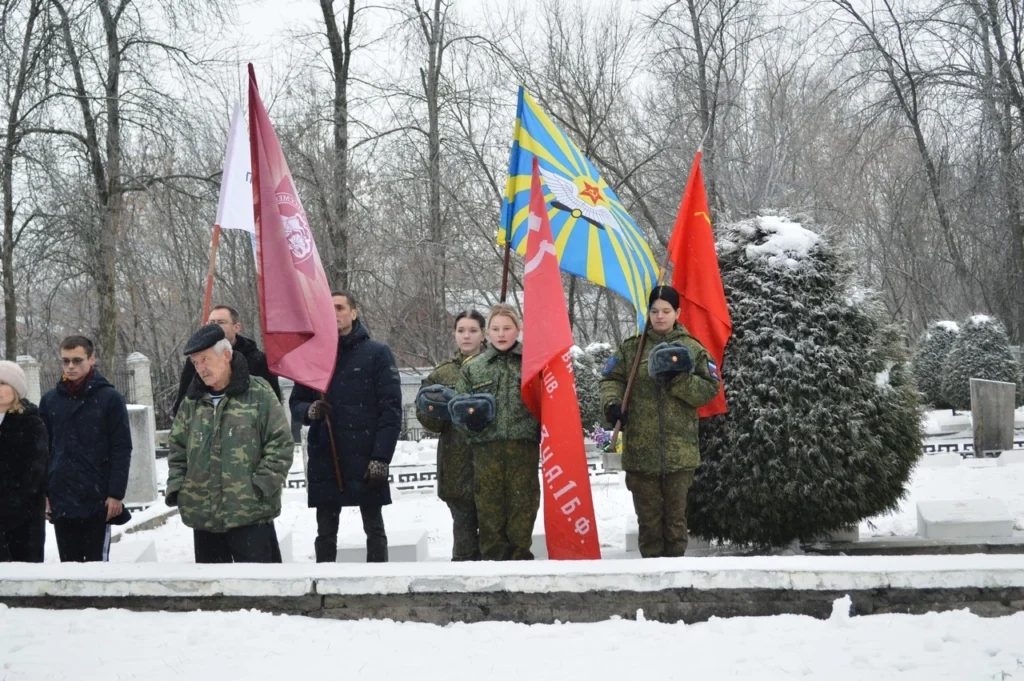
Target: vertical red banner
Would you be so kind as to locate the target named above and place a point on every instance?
(549, 391)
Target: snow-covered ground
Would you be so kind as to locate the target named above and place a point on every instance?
(422, 510)
(200, 646)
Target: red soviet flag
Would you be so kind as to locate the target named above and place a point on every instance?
(550, 393)
(300, 334)
(702, 308)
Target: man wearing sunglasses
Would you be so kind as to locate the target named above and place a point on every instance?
(90, 450)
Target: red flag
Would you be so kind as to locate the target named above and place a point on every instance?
(300, 333)
(550, 393)
(702, 307)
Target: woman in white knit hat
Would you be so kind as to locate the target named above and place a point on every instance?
(24, 451)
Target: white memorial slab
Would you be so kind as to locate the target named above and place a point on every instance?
(404, 546)
(941, 460)
(964, 519)
(285, 543)
(1011, 457)
(134, 551)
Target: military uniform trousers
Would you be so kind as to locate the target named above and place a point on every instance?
(660, 503)
(464, 530)
(507, 492)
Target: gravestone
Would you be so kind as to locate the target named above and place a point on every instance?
(992, 413)
(964, 519)
(142, 482)
(31, 368)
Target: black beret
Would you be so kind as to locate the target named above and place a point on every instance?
(204, 338)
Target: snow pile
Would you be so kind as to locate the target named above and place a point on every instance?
(949, 326)
(201, 646)
(788, 244)
(981, 320)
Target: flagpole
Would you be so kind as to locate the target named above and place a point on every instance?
(209, 274)
(636, 360)
(334, 450)
(504, 268)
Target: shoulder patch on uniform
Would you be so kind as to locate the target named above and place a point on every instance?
(608, 365)
(713, 369)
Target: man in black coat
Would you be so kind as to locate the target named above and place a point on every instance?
(364, 406)
(90, 451)
(23, 456)
(227, 318)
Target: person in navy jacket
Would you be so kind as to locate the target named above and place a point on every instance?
(364, 405)
(90, 451)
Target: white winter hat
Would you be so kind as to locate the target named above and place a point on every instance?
(12, 375)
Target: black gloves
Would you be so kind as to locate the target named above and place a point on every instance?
(319, 410)
(668, 360)
(376, 473)
(613, 412)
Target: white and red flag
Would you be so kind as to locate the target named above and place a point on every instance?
(549, 391)
(300, 334)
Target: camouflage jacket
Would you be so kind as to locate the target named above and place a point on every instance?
(499, 373)
(227, 463)
(661, 434)
(454, 458)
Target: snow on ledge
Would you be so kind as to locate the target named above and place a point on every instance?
(814, 573)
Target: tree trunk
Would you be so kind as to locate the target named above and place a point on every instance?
(340, 44)
(12, 139)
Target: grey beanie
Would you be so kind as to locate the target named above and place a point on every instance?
(12, 375)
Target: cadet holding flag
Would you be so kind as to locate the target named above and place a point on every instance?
(661, 449)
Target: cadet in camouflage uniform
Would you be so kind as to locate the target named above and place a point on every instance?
(660, 445)
(454, 457)
(505, 440)
(230, 450)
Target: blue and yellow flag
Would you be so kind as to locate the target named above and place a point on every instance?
(594, 236)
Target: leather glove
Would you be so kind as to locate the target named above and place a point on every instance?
(477, 421)
(376, 473)
(320, 410)
(613, 412)
(171, 499)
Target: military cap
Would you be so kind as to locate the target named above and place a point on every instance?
(203, 339)
(464, 406)
(433, 400)
(669, 359)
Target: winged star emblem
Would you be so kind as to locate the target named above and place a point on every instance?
(582, 202)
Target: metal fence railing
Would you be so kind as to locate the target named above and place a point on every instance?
(120, 376)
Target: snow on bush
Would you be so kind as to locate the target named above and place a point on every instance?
(932, 350)
(980, 350)
(586, 365)
(822, 429)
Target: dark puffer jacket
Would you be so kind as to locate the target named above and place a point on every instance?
(366, 395)
(23, 456)
(90, 447)
(256, 362)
